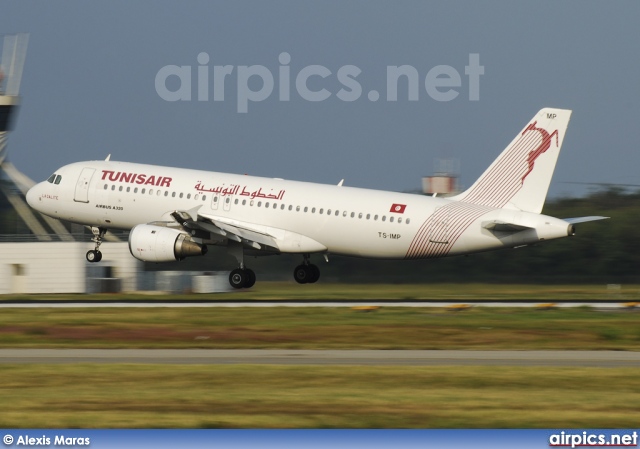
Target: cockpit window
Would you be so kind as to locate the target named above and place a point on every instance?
(57, 180)
(51, 178)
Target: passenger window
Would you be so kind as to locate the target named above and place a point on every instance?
(166, 193)
(181, 194)
(399, 219)
(353, 214)
(128, 189)
(143, 191)
(275, 206)
(204, 197)
(195, 197)
(105, 186)
(282, 207)
(313, 210)
(135, 190)
(321, 211)
(337, 213)
(344, 214)
(368, 216)
(297, 208)
(290, 207)
(120, 188)
(375, 217)
(266, 205)
(259, 203)
(244, 202)
(236, 201)
(407, 221)
(360, 215)
(113, 187)
(150, 191)
(328, 211)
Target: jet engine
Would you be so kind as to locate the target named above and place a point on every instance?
(151, 243)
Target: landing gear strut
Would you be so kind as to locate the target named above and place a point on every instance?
(241, 277)
(306, 273)
(94, 255)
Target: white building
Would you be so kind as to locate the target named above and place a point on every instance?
(61, 267)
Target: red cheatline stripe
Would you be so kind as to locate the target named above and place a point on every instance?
(457, 218)
(504, 171)
(498, 170)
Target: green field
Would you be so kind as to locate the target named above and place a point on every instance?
(251, 396)
(321, 328)
(265, 396)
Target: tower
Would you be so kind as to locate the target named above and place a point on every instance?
(14, 184)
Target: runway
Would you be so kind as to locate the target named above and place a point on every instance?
(324, 357)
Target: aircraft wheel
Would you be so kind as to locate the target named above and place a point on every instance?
(237, 278)
(94, 256)
(251, 278)
(315, 273)
(302, 274)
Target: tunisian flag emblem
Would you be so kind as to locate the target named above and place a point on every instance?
(398, 208)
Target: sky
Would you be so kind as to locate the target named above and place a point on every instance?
(306, 95)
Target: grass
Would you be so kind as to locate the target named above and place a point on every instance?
(274, 291)
(246, 396)
(271, 396)
(321, 328)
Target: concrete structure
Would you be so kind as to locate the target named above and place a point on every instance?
(61, 267)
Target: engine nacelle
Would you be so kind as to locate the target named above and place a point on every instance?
(151, 243)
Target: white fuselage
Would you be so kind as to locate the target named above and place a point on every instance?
(308, 217)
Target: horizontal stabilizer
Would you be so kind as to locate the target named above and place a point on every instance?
(501, 226)
(584, 219)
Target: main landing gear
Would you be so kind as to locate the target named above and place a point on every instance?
(94, 255)
(306, 273)
(242, 278)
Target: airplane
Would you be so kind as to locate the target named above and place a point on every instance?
(174, 213)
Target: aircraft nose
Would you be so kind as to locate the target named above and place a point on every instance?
(33, 196)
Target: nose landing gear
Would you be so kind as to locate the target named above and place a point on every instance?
(94, 255)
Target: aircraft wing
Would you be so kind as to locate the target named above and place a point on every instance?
(252, 235)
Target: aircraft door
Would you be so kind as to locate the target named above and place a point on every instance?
(82, 186)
